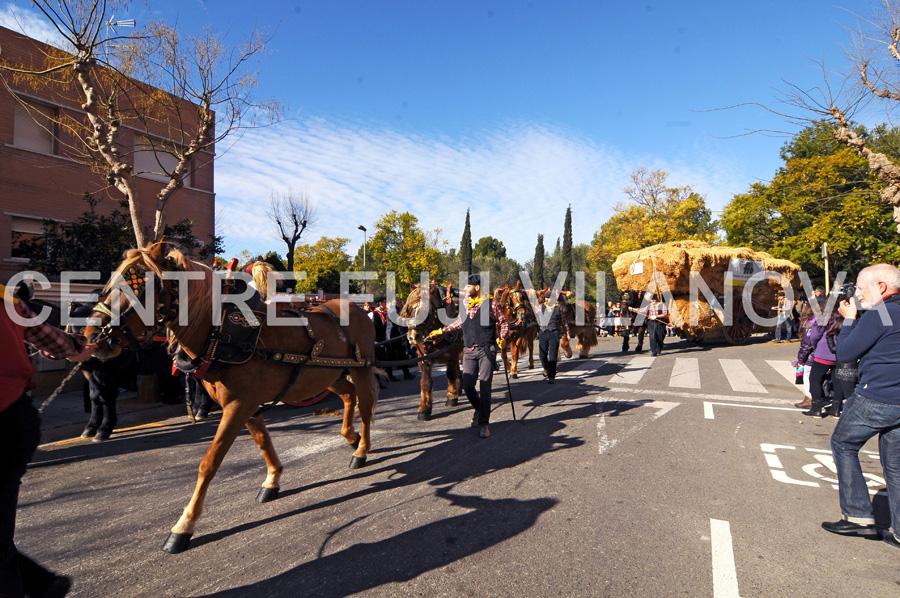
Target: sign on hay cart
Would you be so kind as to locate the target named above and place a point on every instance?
(684, 270)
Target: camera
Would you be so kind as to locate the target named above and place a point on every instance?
(847, 292)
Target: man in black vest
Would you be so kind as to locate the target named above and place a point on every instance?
(552, 321)
(480, 352)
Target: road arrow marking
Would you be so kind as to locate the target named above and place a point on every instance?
(604, 444)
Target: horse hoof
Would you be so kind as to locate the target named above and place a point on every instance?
(423, 417)
(267, 494)
(357, 462)
(177, 543)
(513, 376)
(452, 402)
(355, 445)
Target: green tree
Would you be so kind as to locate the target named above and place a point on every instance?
(465, 246)
(398, 245)
(566, 258)
(537, 273)
(489, 247)
(656, 213)
(823, 193)
(323, 263)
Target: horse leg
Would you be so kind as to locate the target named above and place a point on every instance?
(565, 345)
(367, 395)
(454, 380)
(263, 440)
(234, 416)
(514, 350)
(530, 354)
(426, 384)
(347, 391)
(510, 347)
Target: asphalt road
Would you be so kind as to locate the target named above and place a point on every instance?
(688, 474)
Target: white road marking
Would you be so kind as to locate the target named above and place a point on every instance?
(740, 377)
(686, 373)
(707, 397)
(725, 583)
(604, 443)
(787, 370)
(708, 408)
(633, 372)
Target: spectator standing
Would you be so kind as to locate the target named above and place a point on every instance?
(823, 361)
(845, 374)
(805, 352)
(874, 407)
(20, 432)
(785, 318)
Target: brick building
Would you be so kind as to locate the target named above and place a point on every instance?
(41, 175)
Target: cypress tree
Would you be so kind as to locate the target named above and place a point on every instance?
(566, 262)
(537, 275)
(465, 246)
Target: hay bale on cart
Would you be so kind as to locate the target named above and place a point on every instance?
(671, 269)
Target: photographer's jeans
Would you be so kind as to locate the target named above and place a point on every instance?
(862, 419)
(788, 327)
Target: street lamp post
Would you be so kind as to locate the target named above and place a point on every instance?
(365, 242)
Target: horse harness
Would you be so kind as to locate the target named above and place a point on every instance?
(234, 341)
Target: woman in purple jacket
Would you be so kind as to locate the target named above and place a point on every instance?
(823, 361)
(804, 354)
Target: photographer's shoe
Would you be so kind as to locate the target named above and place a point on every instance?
(891, 539)
(848, 528)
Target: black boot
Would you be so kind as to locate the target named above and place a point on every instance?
(817, 410)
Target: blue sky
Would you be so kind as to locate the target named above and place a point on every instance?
(513, 109)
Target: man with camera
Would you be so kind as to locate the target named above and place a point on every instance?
(873, 337)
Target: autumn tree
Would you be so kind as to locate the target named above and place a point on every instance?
(178, 95)
(323, 263)
(823, 193)
(291, 213)
(399, 245)
(655, 213)
(465, 246)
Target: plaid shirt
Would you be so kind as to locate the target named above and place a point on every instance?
(657, 309)
(497, 315)
(50, 340)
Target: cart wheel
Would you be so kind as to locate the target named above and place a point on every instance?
(310, 400)
(741, 327)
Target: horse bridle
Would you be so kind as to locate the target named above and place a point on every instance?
(134, 276)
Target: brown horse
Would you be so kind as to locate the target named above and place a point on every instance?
(586, 333)
(287, 362)
(523, 327)
(435, 299)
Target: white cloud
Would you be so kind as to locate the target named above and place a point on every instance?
(32, 23)
(517, 181)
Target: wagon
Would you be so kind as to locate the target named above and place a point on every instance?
(725, 273)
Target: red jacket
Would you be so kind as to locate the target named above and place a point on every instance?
(16, 369)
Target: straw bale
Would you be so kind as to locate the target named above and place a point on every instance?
(677, 261)
(708, 326)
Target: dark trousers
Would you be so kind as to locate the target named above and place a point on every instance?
(657, 332)
(818, 373)
(20, 433)
(843, 389)
(548, 351)
(637, 331)
(478, 366)
(199, 398)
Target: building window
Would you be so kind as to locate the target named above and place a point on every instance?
(24, 229)
(34, 127)
(154, 165)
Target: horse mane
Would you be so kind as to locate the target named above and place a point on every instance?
(199, 291)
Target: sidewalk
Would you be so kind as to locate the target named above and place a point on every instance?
(64, 417)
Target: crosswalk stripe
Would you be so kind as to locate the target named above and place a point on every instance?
(633, 372)
(685, 373)
(785, 369)
(740, 377)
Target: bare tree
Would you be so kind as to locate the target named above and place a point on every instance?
(180, 95)
(292, 214)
